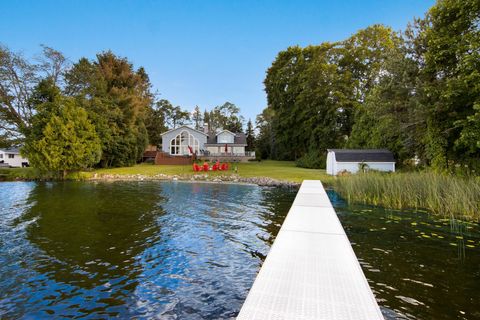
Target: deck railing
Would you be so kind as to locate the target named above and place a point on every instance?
(229, 154)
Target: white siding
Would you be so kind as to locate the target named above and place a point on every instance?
(352, 167)
(225, 137)
(331, 163)
(16, 161)
(168, 136)
(334, 167)
(239, 150)
(214, 150)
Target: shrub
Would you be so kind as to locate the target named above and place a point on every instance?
(312, 160)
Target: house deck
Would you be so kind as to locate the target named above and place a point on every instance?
(311, 271)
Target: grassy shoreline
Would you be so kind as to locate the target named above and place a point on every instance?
(277, 170)
(443, 195)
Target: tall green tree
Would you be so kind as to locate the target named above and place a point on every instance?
(315, 91)
(206, 118)
(451, 33)
(265, 141)
(18, 79)
(155, 123)
(179, 117)
(250, 136)
(197, 118)
(226, 116)
(117, 98)
(62, 138)
(390, 116)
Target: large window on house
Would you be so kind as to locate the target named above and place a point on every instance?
(11, 156)
(179, 145)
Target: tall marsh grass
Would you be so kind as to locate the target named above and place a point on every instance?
(445, 195)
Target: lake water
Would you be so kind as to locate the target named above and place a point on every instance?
(174, 250)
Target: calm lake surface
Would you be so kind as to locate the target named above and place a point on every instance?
(174, 250)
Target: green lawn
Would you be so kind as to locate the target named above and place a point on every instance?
(280, 170)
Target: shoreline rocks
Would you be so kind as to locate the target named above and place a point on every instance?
(260, 181)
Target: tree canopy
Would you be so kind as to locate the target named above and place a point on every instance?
(414, 92)
(62, 138)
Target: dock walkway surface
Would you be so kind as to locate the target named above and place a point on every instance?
(311, 271)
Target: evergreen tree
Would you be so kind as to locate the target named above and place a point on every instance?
(197, 118)
(265, 142)
(206, 118)
(62, 138)
(155, 123)
(250, 136)
(117, 98)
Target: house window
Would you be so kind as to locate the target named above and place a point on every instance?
(179, 145)
(11, 156)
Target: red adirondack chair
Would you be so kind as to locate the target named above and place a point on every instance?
(205, 166)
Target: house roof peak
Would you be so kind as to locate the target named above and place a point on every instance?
(183, 126)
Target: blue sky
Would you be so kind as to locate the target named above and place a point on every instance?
(196, 52)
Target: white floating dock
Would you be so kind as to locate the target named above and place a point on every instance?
(311, 271)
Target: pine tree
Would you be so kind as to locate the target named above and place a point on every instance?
(62, 138)
(117, 98)
(197, 118)
(250, 136)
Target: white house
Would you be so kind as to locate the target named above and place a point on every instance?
(350, 159)
(11, 157)
(226, 142)
(183, 140)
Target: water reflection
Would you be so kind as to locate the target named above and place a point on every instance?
(87, 237)
(133, 250)
(180, 250)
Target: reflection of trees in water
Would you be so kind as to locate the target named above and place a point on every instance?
(100, 251)
(90, 233)
(278, 202)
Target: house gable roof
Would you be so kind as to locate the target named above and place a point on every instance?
(184, 127)
(234, 134)
(362, 155)
(239, 138)
(11, 150)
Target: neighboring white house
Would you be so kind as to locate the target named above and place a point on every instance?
(12, 157)
(182, 140)
(350, 159)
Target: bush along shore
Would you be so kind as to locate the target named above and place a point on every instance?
(441, 194)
